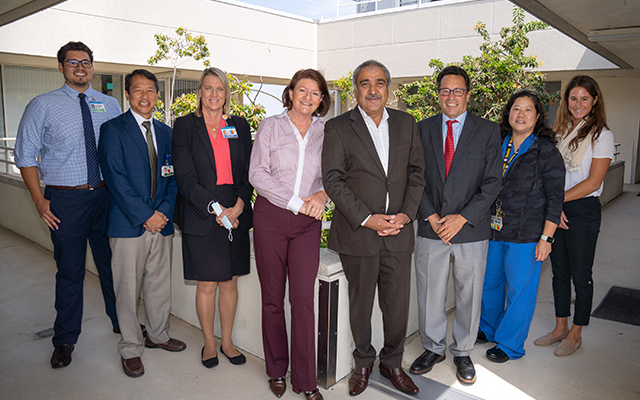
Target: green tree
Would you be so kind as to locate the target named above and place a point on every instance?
(179, 50)
(501, 69)
(185, 46)
(345, 85)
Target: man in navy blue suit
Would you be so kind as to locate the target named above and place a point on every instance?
(135, 155)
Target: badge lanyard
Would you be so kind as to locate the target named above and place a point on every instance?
(506, 162)
(497, 219)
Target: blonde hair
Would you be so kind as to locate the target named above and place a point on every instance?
(225, 82)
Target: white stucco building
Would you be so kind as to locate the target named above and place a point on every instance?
(269, 46)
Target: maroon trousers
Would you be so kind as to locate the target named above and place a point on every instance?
(287, 246)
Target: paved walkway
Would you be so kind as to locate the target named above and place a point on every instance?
(606, 367)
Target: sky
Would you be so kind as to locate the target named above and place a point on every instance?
(314, 9)
(306, 8)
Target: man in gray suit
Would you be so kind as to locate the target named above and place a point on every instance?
(373, 169)
(463, 178)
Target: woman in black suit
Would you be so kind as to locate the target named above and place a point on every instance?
(211, 153)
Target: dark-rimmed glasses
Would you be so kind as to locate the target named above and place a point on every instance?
(74, 63)
(456, 92)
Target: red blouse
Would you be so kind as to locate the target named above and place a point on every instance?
(222, 156)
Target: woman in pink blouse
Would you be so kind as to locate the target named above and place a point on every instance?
(285, 171)
(211, 152)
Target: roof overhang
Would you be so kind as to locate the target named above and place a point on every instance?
(13, 10)
(609, 28)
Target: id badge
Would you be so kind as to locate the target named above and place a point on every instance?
(167, 171)
(496, 220)
(496, 223)
(229, 132)
(96, 106)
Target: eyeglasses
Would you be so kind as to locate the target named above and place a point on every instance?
(74, 63)
(456, 92)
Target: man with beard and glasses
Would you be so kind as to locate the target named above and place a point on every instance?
(62, 128)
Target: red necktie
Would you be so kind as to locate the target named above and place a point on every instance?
(449, 149)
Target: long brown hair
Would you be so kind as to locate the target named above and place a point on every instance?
(594, 122)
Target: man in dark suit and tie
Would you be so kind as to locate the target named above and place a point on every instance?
(135, 155)
(373, 170)
(463, 177)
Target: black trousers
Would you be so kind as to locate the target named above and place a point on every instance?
(572, 258)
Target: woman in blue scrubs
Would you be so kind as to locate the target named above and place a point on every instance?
(524, 220)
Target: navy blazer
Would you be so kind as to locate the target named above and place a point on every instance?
(124, 160)
(474, 181)
(196, 173)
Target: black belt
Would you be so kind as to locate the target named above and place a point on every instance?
(85, 186)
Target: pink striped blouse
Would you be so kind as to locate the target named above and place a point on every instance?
(285, 167)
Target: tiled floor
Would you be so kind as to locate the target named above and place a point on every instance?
(606, 367)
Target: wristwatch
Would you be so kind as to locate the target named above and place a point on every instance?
(549, 239)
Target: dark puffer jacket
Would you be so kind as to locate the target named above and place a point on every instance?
(532, 192)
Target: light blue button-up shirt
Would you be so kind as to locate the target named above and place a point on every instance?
(51, 127)
(457, 129)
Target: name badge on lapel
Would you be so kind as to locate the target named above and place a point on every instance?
(229, 132)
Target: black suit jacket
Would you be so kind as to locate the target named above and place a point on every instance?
(474, 181)
(355, 180)
(195, 171)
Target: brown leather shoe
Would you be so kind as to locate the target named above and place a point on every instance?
(132, 367)
(278, 386)
(169, 345)
(312, 395)
(400, 379)
(359, 380)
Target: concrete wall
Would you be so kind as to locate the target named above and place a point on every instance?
(622, 105)
(242, 39)
(406, 39)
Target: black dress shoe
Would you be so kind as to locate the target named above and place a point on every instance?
(61, 356)
(209, 363)
(116, 329)
(237, 360)
(482, 338)
(425, 362)
(466, 373)
(496, 355)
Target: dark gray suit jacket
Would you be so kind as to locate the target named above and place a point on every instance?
(474, 181)
(355, 180)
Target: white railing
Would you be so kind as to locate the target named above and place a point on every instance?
(361, 6)
(6, 156)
